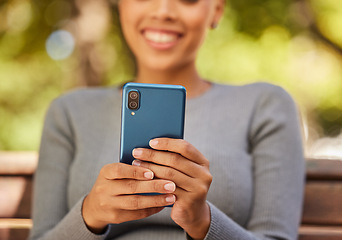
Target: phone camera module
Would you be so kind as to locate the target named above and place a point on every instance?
(133, 100)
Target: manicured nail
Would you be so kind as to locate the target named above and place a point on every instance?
(153, 143)
(171, 187)
(137, 152)
(148, 175)
(170, 199)
(136, 163)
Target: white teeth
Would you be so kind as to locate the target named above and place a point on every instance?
(159, 37)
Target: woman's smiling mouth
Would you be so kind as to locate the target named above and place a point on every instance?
(161, 39)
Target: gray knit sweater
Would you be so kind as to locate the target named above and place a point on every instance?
(250, 134)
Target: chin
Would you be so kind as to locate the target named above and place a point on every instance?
(165, 65)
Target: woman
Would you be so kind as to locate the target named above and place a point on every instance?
(248, 135)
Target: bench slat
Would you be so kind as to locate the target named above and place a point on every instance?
(17, 196)
(18, 163)
(14, 233)
(312, 232)
(323, 203)
(322, 169)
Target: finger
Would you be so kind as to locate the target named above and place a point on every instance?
(179, 146)
(123, 171)
(190, 198)
(126, 215)
(182, 180)
(139, 214)
(136, 202)
(121, 187)
(170, 159)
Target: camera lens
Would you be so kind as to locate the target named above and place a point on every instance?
(133, 105)
(133, 99)
(133, 95)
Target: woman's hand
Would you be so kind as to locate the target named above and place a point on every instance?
(181, 163)
(111, 200)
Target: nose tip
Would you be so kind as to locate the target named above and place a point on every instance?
(165, 10)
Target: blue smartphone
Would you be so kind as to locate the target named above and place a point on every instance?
(150, 111)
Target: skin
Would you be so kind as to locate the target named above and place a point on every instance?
(184, 165)
(170, 161)
(191, 18)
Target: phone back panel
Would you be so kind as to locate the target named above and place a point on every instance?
(161, 114)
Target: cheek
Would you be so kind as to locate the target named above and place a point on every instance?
(129, 21)
(197, 27)
(200, 15)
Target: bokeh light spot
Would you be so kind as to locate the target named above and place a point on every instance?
(57, 11)
(60, 45)
(19, 16)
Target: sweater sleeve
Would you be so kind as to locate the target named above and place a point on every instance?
(51, 217)
(278, 173)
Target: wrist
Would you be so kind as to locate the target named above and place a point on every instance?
(92, 225)
(199, 230)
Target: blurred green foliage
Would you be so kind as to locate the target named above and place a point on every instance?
(293, 43)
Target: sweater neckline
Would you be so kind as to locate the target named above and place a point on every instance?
(206, 95)
(199, 98)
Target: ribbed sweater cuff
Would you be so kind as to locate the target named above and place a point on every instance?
(76, 226)
(223, 227)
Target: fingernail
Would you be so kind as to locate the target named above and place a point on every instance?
(136, 163)
(170, 199)
(148, 175)
(153, 142)
(137, 152)
(170, 187)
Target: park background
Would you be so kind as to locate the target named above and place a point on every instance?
(48, 48)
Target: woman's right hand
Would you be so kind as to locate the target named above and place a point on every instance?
(111, 199)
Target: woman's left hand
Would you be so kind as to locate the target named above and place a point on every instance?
(179, 161)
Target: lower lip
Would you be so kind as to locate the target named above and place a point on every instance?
(162, 46)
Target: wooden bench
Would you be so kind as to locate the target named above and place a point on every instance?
(321, 219)
(16, 176)
(322, 212)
